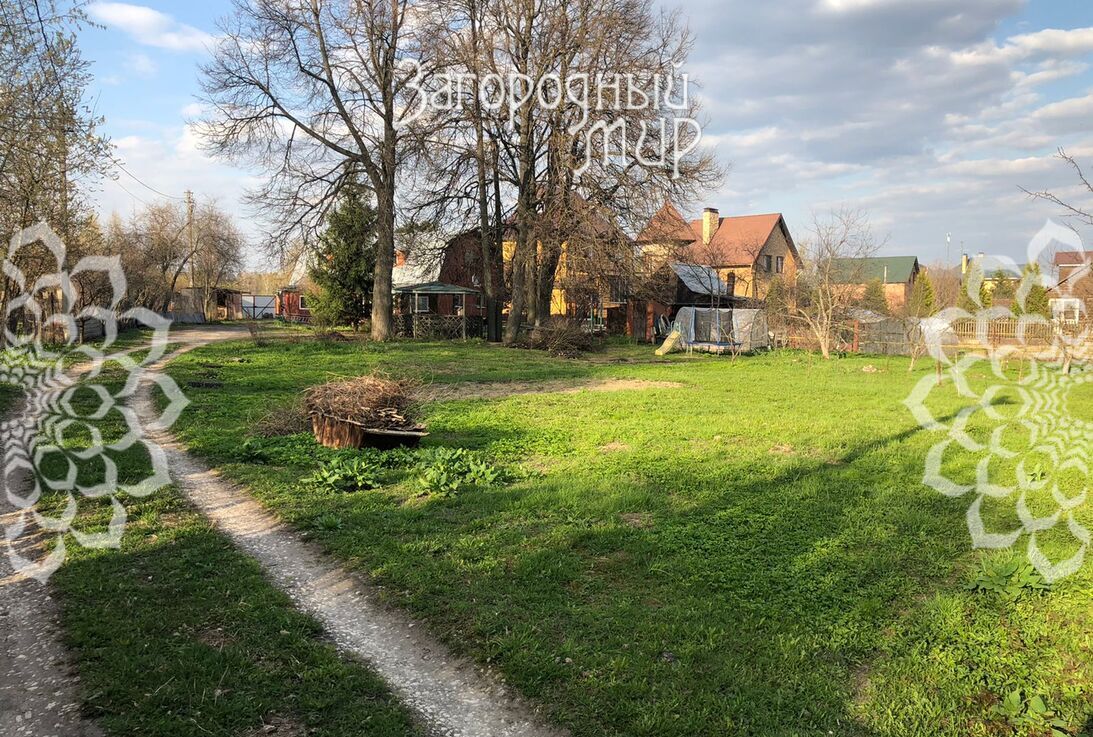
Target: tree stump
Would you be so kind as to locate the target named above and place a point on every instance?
(333, 432)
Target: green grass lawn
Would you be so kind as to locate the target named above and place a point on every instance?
(178, 634)
(751, 553)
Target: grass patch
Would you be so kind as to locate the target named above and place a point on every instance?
(756, 554)
(177, 634)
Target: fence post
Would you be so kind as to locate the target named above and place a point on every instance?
(856, 326)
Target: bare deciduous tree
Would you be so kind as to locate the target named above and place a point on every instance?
(158, 254)
(829, 284)
(319, 93)
(1080, 284)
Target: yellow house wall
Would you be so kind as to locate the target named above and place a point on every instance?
(753, 281)
(558, 299)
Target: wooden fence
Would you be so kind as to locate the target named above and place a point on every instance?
(1011, 330)
(897, 336)
(439, 327)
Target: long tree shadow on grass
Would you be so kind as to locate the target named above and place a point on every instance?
(180, 635)
(669, 602)
(747, 611)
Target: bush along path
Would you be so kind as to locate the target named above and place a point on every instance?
(451, 695)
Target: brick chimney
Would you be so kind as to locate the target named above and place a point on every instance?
(710, 221)
(400, 258)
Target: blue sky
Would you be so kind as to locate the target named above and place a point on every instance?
(929, 114)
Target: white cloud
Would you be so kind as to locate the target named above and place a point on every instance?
(915, 110)
(141, 65)
(151, 27)
(1053, 41)
(169, 160)
(1074, 108)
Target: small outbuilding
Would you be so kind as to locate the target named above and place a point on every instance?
(292, 305)
(437, 298)
(436, 310)
(896, 274)
(674, 286)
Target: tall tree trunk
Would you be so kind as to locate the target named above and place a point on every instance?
(484, 236)
(384, 181)
(532, 285)
(548, 273)
(382, 296)
(519, 277)
(524, 255)
(497, 266)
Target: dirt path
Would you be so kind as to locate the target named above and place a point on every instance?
(38, 684)
(38, 688)
(501, 389)
(453, 696)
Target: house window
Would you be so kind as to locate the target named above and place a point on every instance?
(779, 264)
(769, 261)
(421, 303)
(303, 303)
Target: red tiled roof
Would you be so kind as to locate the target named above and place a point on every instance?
(667, 225)
(736, 242)
(1071, 258)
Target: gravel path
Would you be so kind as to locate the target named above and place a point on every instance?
(452, 696)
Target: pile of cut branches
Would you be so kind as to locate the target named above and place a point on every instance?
(564, 340)
(367, 401)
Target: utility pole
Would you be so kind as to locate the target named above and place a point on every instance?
(192, 254)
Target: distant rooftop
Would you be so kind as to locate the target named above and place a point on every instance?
(886, 269)
(1072, 258)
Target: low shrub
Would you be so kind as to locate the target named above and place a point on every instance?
(346, 474)
(447, 471)
(391, 458)
(1031, 715)
(328, 522)
(1009, 578)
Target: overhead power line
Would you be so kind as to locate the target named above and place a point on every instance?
(142, 183)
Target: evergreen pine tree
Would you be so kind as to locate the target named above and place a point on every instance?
(923, 301)
(965, 301)
(1003, 290)
(776, 303)
(1036, 301)
(873, 298)
(344, 260)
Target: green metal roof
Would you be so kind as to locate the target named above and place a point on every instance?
(887, 269)
(435, 287)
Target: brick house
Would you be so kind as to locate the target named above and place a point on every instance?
(291, 305)
(897, 274)
(576, 293)
(1073, 290)
(754, 249)
(1069, 264)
